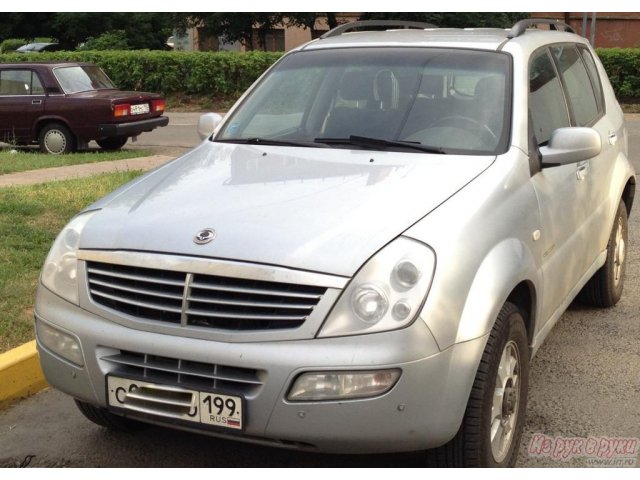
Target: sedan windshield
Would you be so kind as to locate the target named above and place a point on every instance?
(405, 99)
(82, 79)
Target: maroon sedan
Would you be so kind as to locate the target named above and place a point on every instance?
(62, 106)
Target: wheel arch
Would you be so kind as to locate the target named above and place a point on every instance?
(628, 193)
(41, 122)
(507, 273)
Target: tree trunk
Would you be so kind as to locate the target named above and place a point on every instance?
(332, 21)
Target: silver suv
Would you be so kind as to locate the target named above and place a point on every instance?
(362, 257)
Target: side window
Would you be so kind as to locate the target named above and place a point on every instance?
(20, 82)
(593, 73)
(546, 100)
(578, 84)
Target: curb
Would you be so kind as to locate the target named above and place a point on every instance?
(20, 374)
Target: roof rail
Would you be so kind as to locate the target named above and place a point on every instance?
(520, 27)
(347, 27)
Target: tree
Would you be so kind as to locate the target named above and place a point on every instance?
(453, 19)
(142, 30)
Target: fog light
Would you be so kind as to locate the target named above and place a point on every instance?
(60, 343)
(320, 386)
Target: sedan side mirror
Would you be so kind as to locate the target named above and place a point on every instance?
(571, 145)
(207, 124)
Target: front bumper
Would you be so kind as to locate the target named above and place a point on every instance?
(131, 128)
(423, 410)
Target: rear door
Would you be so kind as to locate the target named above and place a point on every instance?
(586, 102)
(22, 99)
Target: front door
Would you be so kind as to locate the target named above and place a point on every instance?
(561, 190)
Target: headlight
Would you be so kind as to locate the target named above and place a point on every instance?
(387, 293)
(60, 270)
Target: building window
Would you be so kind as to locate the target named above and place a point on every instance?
(273, 40)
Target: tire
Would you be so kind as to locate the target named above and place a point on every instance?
(604, 289)
(473, 446)
(57, 139)
(112, 143)
(104, 418)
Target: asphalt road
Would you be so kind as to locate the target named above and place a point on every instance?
(585, 382)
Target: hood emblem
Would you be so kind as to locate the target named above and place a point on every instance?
(204, 236)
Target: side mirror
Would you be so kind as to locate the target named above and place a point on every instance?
(207, 124)
(571, 145)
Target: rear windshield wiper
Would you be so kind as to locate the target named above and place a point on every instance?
(368, 142)
(272, 141)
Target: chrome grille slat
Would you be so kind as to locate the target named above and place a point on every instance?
(135, 277)
(275, 293)
(247, 316)
(135, 303)
(201, 301)
(142, 291)
(240, 303)
(155, 399)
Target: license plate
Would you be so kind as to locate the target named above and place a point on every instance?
(139, 109)
(164, 400)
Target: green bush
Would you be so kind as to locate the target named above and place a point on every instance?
(11, 44)
(623, 68)
(216, 74)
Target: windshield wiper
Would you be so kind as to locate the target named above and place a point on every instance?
(270, 141)
(368, 142)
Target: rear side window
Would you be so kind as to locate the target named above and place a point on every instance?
(546, 100)
(595, 78)
(20, 82)
(577, 83)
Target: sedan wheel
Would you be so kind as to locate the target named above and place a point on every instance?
(56, 139)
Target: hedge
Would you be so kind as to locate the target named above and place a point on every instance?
(623, 68)
(218, 74)
(226, 74)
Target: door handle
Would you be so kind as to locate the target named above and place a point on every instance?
(613, 138)
(582, 169)
(36, 102)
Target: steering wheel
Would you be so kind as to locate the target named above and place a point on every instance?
(476, 124)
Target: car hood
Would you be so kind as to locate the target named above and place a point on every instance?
(317, 209)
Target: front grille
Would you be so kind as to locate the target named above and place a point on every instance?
(211, 301)
(185, 373)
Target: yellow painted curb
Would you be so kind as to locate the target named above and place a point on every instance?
(20, 374)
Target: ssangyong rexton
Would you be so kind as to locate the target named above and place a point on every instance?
(362, 257)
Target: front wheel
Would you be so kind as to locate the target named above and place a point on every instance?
(56, 139)
(112, 143)
(492, 425)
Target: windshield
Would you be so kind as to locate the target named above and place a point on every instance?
(82, 79)
(413, 99)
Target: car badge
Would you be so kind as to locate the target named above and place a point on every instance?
(204, 236)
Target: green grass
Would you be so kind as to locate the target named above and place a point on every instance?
(30, 219)
(24, 160)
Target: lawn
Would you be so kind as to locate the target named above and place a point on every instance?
(30, 219)
(24, 160)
